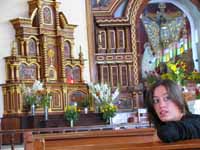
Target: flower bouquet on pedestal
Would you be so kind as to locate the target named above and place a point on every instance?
(45, 99)
(71, 114)
(109, 110)
(85, 104)
(105, 99)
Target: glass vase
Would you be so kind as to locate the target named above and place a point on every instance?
(46, 112)
(33, 109)
(111, 121)
(71, 123)
(86, 110)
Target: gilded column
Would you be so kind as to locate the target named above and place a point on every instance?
(37, 48)
(27, 48)
(12, 100)
(17, 72)
(22, 47)
(20, 99)
(12, 72)
(4, 90)
(62, 58)
(38, 72)
(45, 58)
(40, 16)
(81, 64)
(65, 98)
(57, 16)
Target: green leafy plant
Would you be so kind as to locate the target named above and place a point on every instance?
(71, 113)
(85, 102)
(176, 71)
(31, 94)
(45, 98)
(108, 111)
(194, 76)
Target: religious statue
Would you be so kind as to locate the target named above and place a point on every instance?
(148, 60)
(162, 29)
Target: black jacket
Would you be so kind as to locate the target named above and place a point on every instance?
(187, 128)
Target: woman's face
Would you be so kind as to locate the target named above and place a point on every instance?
(165, 108)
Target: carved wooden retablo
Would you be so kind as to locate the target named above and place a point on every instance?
(43, 50)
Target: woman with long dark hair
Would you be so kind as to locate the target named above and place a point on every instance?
(169, 112)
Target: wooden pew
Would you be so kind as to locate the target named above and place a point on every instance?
(127, 139)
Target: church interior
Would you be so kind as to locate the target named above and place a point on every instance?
(79, 80)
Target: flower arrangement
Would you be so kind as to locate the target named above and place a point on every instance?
(103, 93)
(71, 113)
(30, 94)
(45, 98)
(108, 111)
(194, 76)
(105, 99)
(176, 71)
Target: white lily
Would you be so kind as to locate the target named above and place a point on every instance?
(103, 93)
(37, 86)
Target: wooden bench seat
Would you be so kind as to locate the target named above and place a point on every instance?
(87, 138)
(136, 139)
(127, 139)
(182, 145)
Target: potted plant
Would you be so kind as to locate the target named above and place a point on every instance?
(105, 99)
(85, 104)
(71, 114)
(45, 98)
(109, 110)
